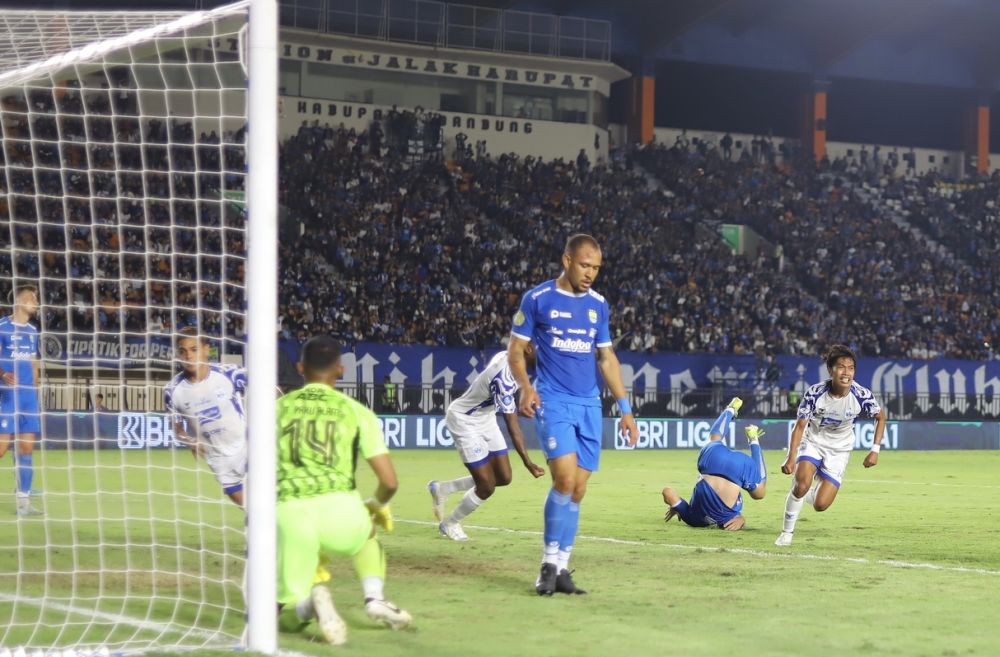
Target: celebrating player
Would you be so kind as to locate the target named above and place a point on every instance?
(471, 419)
(321, 434)
(19, 371)
(566, 321)
(823, 437)
(717, 499)
(205, 401)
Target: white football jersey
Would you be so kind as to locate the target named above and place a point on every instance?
(831, 419)
(491, 392)
(211, 409)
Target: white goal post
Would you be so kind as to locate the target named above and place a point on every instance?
(138, 196)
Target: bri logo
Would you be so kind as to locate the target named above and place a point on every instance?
(574, 345)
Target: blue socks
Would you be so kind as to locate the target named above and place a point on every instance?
(572, 521)
(24, 472)
(758, 457)
(556, 516)
(721, 425)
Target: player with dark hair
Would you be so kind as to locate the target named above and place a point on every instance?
(20, 374)
(322, 434)
(472, 421)
(823, 437)
(717, 498)
(205, 402)
(568, 324)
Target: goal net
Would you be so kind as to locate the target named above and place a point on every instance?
(123, 167)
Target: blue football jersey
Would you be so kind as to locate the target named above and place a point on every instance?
(706, 508)
(566, 329)
(18, 348)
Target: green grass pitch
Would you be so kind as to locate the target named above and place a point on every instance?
(906, 562)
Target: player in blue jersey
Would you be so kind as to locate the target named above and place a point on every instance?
(568, 324)
(19, 371)
(717, 498)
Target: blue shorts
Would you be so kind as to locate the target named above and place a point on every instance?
(567, 428)
(717, 459)
(19, 411)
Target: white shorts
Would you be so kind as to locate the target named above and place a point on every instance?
(831, 464)
(229, 469)
(477, 441)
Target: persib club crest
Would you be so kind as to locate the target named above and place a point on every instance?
(592, 315)
(518, 318)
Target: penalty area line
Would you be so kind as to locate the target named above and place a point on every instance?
(892, 563)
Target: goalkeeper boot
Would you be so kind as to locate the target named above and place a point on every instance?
(386, 613)
(546, 582)
(735, 404)
(331, 625)
(565, 584)
(437, 499)
(453, 530)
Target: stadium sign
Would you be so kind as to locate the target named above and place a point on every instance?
(439, 66)
(106, 350)
(313, 109)
(142, 431)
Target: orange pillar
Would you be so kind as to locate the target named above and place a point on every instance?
(642, 104)
(814, 121)
(981, 137)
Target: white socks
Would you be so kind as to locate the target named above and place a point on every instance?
(470, 502)
(562, 559)
(304, 610)
(456, 485)
(551, 553)
(793, 505)
(373, 588)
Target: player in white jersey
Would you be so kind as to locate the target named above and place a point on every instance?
(205, 402)
(471, 419)
(823, 437)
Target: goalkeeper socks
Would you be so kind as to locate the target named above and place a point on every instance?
(757, 454)
(373, 588)
(370, 560)
(556, 518)
(721, 425)
(456, 485)
(470, 502)
(24, 473)
(304, 609)
(793, 505)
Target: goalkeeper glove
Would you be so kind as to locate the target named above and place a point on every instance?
(381, 514)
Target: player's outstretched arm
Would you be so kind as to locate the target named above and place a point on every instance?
(871, 459)
(611, 371)
(516, 437)
(388, 484)
(788, 467)
(530, 401)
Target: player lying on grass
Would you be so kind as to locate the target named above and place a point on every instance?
(823, 437)
(322, 434)
(717, 498)
(471, 419)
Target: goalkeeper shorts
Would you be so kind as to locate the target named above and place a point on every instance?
(334, 524)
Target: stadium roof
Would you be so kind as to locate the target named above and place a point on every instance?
(951, 43)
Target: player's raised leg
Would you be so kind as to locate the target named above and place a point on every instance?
(721, 425)
(440, 490)
(754, 434)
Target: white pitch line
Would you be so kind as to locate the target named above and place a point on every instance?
(923, 483)
(894, 563)
(132, 621)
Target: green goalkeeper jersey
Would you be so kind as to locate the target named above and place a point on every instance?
(321, 433)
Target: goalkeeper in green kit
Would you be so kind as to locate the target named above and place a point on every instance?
(321, 435)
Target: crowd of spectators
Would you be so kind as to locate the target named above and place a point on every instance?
(126, 225)
(122, 222)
